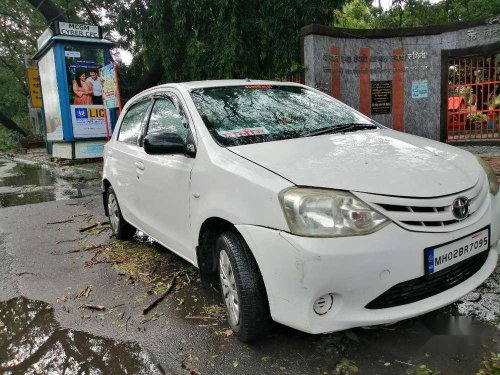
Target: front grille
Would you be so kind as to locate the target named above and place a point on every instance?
(428, 286)
(430, 214)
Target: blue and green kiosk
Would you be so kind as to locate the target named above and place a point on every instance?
(69, 58)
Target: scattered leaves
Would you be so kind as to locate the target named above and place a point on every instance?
(491, 365)
(84, 293)
(346, 367)
(422, 370)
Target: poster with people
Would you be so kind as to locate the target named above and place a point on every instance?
(83, 66)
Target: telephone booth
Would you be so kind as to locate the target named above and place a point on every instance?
(69, 60)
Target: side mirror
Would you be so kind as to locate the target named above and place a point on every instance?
(164, 143)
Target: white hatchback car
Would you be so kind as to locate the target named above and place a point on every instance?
(308, 212)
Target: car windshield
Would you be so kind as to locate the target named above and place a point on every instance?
(237, 115)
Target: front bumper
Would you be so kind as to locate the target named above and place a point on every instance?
(298, 270)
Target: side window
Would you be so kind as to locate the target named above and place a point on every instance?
(165, 118)
(131, 124)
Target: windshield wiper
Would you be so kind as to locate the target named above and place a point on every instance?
(342, 128)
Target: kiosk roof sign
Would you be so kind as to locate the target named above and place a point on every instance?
(78, 30)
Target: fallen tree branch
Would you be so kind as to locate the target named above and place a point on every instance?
(61, 222)
(88, 228)
(73, 240)
(92, 307)
(159, 299)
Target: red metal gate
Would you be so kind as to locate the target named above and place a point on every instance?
(473, 98)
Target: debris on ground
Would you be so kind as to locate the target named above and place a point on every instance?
(191, 370)
(149, 264)
(163, 295)
(491, 365)
(346, 367)
(84, 293)
(92, 307)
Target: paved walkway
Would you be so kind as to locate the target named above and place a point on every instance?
(495, 163)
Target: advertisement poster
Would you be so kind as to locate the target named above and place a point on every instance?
(110, 92)
(85, 91)
(51, 107)
(88, 121)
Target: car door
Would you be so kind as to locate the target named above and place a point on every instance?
(164, 181)
(122, 155)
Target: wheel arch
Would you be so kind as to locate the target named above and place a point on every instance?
(105, 186)
(206, 253)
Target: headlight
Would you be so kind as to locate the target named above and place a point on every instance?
(492, 177)
(328, 213)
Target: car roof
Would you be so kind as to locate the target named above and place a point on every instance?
(222, 83)
(211, 83)
(229, 82)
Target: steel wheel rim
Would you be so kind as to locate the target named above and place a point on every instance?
(229, 290)
(114, 216)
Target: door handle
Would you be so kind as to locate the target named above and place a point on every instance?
(139, 165)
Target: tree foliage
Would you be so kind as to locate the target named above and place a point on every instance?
(413, 13)
(201, 39)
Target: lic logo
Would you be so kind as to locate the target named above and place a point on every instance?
(81, 113)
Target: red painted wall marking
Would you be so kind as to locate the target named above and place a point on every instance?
(398, 90)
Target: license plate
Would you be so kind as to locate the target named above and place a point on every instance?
(439, 257)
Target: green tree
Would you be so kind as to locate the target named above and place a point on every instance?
(413, 13)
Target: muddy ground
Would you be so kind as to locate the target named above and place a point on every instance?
(72, 299)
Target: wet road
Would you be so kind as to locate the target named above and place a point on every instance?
(42, 260)
(26, 184)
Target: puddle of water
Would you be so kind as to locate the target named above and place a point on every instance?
(32, 342)
(22, 184)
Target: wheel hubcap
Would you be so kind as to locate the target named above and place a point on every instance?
(114, 216)
(229, 290)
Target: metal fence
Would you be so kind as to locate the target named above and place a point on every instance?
(473, 98)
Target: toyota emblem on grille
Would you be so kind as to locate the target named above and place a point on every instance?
(460, 208)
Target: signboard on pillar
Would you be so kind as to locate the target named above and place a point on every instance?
(33, 80)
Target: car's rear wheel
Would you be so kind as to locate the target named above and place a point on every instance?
(242, 289)
(121, 229)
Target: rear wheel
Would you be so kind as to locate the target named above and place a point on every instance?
(242, 289)
(121, 229)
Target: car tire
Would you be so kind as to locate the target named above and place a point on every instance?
(243, 291)
(121, 229)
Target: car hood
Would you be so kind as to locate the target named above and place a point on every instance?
(379, 161)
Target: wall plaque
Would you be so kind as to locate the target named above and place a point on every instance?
(381, 93)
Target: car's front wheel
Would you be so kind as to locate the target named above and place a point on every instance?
(122, 230)
(242, 289)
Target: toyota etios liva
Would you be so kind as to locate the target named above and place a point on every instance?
(305, 211)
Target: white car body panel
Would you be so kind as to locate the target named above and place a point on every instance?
(367, 161)
(174, 195)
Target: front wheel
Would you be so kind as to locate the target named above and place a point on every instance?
(122, 230)
(242, 289)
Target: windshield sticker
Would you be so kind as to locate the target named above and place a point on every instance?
(258, 86)
(235, 133)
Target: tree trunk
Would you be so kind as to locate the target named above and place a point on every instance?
(10, 124)
(49, 10)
